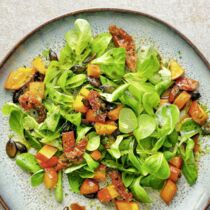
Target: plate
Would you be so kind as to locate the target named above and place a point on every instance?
(15, 187)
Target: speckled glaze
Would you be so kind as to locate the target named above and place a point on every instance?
(15, 184)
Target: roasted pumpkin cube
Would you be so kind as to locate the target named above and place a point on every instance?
(96, 155)
(126, 205)
(114, 114)
(19, 78)
(105, 128)
(78, 104)
(197, 113)
(37, 88)
(107, 194)
(182, 99)
(174, 173)
(84, 92)
(91, 116)
(176, 161)
(47, 151)
(176, 70)
(163, 101)
(89, 186)
(38, 65)
(93, 71)
(168, 192)
(100, 173)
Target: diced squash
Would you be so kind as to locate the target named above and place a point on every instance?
(168, 192)
(91, 116)
(96, 155)
(196, 145)
(93, 71)
(176, 70)
(78, 105)
(50, 178)
(19, 78)
(114, 114)
(126, 205)
(48, 151)
(37, 88)
(174, 173)
(182, 99)
(197, 113)
(100, 173)
(84, 92)
(107, 194)
(89, 186)
(105, 128)
(176, 161)
(163, 101)
(38, 65)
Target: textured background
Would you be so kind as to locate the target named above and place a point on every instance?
(19, 17)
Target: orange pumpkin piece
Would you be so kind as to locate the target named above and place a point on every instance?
(89, 186)
(96, 155)
(78, 105)
(176, 161)
(107, 194)
(124, 205)
(182, 99)
(197, 113)
(176, 70)
(114, 114)
(84, 92)
(91, 116)
(93, 71)
(47, 151)
(37, 88)
(105, 128)
(174, 173)
(50, 178)
(100, 173)
(38, 65)
(19, 78)
(168, 192)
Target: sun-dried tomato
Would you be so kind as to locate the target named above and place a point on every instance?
(31, 104)
(94, 100)
(120, 187)
(122, 39)
(187, 84)
(78, 151)
(68, 141)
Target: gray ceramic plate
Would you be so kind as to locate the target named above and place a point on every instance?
(14, 184)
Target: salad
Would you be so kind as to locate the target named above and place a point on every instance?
(113, 118)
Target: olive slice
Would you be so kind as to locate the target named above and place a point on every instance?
(91, 195)
(21, 147)
(195, 96)
(11, 148)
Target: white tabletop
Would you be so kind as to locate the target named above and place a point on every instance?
(19, 17)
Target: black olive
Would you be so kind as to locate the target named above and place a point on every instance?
(91, 196)
(11, 148)
(107, 88)
(89, 58)
(53, 56)
(21, 147)
(38, 77)
(195, 96)
(66, 208)
(17, 94)
(206, 128)
(94, 81)
(78, 68)
(110, 106)
(67, 126)
(116, 133)
(85, 102)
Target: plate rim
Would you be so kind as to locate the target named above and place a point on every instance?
(93, 10)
